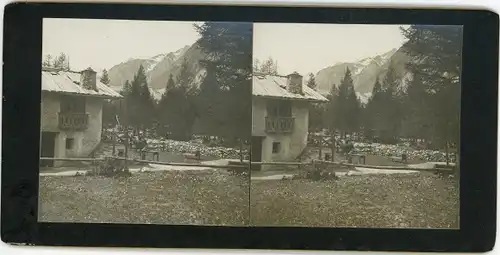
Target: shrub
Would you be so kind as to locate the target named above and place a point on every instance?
(111, 167)
(318, 172)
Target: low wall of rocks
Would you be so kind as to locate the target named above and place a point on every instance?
(389, 150)
(193, 146)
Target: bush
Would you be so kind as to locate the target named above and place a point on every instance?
(242, 172)
(318, 172)
(111, 167)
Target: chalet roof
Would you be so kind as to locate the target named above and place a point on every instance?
(68, 82)
(275, 86)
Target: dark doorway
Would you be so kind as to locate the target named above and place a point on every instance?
(256, 153)
(48, 145)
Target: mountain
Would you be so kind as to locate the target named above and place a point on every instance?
(364, 72)
(158, 68)
(170, 64)
(122, 72)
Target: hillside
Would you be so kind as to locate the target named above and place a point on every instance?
(364, 72)
(158, 68)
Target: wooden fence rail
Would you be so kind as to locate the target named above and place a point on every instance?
(386, 167)
(246, 164)
(181, 164)
(74, 159)
(145, 161)
(282, 163)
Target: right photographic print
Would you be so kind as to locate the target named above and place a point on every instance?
(356, 126)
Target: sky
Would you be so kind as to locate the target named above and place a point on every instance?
(297, 47)
(308, 48)
(104, 43)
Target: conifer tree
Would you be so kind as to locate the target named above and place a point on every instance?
(316, 111)
(391, 114)
(162, 107)
(228, 47)
(348, 105)
(436, 55)
(170, 83)
(269, 66)
(109, 109)
(126, 89)
(177, 106)
(417, 112)
(138, 108)
(374, 110)
(47, 61)
(210, 105)
(61, 62)
(105, 77)
(333, 109)
(311, 83)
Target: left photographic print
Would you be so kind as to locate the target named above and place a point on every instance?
(145, 122)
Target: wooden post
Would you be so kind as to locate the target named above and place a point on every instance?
(241, 150)
(320, 148)
(447, 154)
(127, 141)
(114, 143)
(333, 147)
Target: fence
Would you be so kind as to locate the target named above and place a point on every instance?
(74, 159)
(245, 164)
(397, 168)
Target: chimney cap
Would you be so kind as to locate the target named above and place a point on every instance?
(294, 74)
(89, 69)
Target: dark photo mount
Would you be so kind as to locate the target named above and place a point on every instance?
(21, 136)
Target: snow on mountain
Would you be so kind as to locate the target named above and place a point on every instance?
(357, 69)
(364, 97)
(172, 63)
(156, 93)
(200, 75)
(158, 57)
(364, 72)
(154, 61)
(180, 52)
(366, 61)
(158, 68)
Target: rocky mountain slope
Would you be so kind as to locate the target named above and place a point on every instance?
(158, 68)
(364, 72)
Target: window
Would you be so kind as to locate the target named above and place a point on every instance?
(70, 143)
(279, 108)
(72, 104)
(276, 147)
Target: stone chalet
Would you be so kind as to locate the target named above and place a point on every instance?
(280, 117)
(71, 113)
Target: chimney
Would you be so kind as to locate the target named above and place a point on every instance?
(294, 83)
(88, 79)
